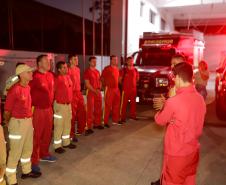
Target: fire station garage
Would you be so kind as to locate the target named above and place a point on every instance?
(113, 92)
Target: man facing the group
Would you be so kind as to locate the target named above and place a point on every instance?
(184, 127)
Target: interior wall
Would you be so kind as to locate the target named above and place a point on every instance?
(138, 24)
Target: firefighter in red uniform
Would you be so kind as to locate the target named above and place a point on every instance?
(184, 128)
(18, 118)
(62, 109)
(128, 78)
(78, 105)
(158, 102)
(42, 92)
(94, 98)
(110, 78)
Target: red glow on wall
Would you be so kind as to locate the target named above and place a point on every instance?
(208, 30)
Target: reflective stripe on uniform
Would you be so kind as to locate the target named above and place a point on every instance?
(122, 99)
(11, 136)
(32, 109)
(25, 160)
(87, 91)
(57, 116)
(105, 92)
(58, 142)
(66, 137)
(11, 170)
(15, 78)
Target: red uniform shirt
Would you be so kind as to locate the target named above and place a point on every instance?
(93, 75)
(184, 116)
(129, 78)
(18, 102)
(74, 73)
(63, 89)
(42, 89)
(110, 76)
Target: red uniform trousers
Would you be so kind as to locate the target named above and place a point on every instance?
(94, 109)
(78, 113)
(126, 96)
(111, 103)
(42, 123)
(180, 170)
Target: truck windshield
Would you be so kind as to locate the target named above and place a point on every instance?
(155, 57)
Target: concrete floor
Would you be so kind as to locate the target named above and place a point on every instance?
(130, 155)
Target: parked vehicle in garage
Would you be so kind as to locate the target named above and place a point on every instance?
(219, 72)
(153, 60)
(221, 92)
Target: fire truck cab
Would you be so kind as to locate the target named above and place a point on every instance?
(153, 60)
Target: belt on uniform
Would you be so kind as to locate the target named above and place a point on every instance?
(66, 103)
(22, 118)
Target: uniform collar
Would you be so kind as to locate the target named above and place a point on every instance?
(92, 69)
(22, 85)
(130, 68)
(37, 71)
(190, 88)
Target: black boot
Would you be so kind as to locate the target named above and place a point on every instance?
(31, 175)
(156, 182)
(70, 146)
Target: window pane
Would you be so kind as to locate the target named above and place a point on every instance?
(141, 8)
(152, 16)
(4, 28)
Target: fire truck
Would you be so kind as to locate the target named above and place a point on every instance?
(153, 60)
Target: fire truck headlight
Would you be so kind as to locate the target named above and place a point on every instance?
(161, 82)
(218, 75)
(145, 86)
(220, 85)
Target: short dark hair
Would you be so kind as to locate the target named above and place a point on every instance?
(180, 57)
(71, 55)
(39, 58)
(184, 70)
(59, 64)
(112, 56)
(92, 57)
(129, 58)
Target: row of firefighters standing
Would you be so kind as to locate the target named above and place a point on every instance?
(36, 98)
